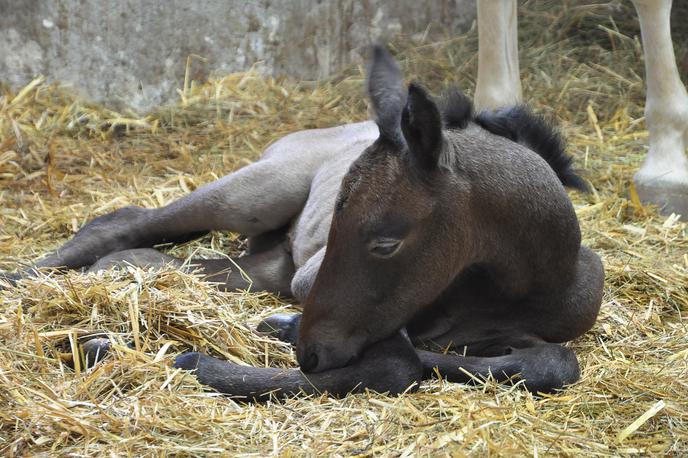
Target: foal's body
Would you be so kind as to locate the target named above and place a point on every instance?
(494, 174)
(511, 282)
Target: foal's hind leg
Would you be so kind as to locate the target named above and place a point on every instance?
(270, 270)
(285, 326)
(258, 198)
(138, 257)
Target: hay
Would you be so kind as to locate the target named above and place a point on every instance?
(64, 161)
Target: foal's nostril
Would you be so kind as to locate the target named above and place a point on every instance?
(310, 363)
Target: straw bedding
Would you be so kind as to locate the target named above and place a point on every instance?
(64, 161)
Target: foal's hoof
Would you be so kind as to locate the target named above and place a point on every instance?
(283, 326)
(188, 361)
(9, 279)
(94, 351)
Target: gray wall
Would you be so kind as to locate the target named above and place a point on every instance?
(133, 52)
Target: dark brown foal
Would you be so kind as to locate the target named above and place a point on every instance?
(431, 227)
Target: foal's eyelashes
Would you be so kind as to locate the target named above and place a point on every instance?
(384, 247)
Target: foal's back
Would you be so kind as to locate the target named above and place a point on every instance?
(523, 219)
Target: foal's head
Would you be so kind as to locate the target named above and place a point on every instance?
(393, 242)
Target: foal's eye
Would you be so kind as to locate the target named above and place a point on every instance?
(384, 248)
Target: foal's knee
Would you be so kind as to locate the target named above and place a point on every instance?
(393, 366)
(138, 257)
(304, 277)
(400, 376)
(548, 367)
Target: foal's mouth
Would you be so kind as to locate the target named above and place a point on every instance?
(315, 358)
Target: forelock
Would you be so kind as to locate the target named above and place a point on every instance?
(372, 170)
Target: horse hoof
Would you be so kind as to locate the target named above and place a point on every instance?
(9, 279)
(283, 326)
(188, 361)
(562, 370)
(670, 197)
(95, 350)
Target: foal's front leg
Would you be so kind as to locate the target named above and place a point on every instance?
(391, 365)
(544, 367)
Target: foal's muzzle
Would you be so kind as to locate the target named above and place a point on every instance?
(309, 362)
(318, 358)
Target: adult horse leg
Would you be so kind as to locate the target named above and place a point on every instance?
(663, 177)
(499, 82)
(391, 365)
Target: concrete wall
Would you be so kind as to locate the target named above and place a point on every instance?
(133, 52)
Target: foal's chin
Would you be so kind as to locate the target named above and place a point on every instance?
(318, 355)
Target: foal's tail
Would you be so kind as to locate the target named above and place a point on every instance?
(525, 127)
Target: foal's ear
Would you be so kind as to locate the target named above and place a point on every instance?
(421, 124)
(386, 92)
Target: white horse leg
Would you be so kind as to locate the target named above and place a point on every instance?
(663, 177)
(499, 82)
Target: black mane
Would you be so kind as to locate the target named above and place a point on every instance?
(456, 109)
(523, 126)
(518, 124)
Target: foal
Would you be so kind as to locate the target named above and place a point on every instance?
(429, 227)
